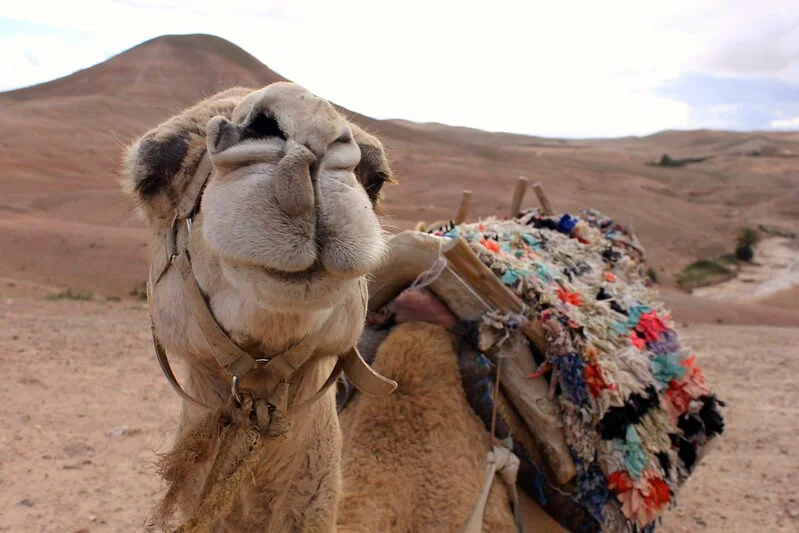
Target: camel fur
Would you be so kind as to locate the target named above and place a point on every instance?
(281, 254)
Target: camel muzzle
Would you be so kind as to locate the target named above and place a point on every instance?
(272, 369)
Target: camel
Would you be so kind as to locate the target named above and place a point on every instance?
(276, 195)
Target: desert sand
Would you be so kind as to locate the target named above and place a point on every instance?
(87, 409)
(85, 405)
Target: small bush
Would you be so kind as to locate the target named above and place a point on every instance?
(139, 291)
(113, 298)
(744, 252)
(745, 244)
(728, 259)
(653, 275)
(702, 273)
(748, 237)
(71, 294)
(668, 161)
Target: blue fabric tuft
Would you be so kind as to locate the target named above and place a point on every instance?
(566, 223)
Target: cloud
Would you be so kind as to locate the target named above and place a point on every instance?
(547, 68)
(733, 103)
(790, 123)
(29, 59)
(706, 90)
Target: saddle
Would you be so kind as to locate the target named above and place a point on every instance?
(606, 411)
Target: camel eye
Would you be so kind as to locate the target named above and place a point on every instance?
(374, 184)
(263, 127)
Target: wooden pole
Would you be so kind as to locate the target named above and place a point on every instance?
(463, 209)
(546, 207)
(518, 197)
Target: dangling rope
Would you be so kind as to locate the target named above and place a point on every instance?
(227, 438)
(502, 461)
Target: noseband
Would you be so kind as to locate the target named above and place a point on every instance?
(272, 373)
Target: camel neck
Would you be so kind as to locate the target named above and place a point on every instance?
(296, 477)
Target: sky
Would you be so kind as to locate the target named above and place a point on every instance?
(555, 68)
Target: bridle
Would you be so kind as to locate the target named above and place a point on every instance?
(272, 373)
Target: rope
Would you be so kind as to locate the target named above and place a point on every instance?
(499, 460)
(488, 306)
(433, 272)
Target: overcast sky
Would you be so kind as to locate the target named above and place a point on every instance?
(554, 68)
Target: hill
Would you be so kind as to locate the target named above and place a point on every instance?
(64, 222)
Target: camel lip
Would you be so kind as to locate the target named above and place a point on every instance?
(302, 276)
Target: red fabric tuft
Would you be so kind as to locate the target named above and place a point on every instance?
(637, 341)
(650, 326)
(490, 245)
(595, 380)
(573, 298)
(620, 481)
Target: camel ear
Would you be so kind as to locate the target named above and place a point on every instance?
(373, 170)
(153, 162)
(158, 166)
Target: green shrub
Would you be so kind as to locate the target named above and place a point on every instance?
(668, 161)
(745, 244)
(70, 294)
(139, 291)
(748, 237)
(744, 252)
(653, 275)
(702, 273)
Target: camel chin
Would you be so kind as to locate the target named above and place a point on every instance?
(310, 290)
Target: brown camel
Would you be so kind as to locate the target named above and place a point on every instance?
(278, 243)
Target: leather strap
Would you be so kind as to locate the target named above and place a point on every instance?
(364, 377)
(227, 353)
(331, 380)
(166, 368)
(190, 201)
(165, 248)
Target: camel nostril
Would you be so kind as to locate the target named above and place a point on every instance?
(294, 186)
(314, 170)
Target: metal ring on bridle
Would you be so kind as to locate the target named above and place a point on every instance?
(234, 384)
(234, 389)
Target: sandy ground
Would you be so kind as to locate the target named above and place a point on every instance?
(86, 408)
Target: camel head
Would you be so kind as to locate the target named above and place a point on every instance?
(286, 213)
(285, 230)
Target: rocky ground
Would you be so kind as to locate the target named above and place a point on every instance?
(86, 409)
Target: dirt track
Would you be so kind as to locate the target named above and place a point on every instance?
(85, 408)
(774, 270)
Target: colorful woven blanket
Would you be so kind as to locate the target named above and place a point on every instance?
(635, 407)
